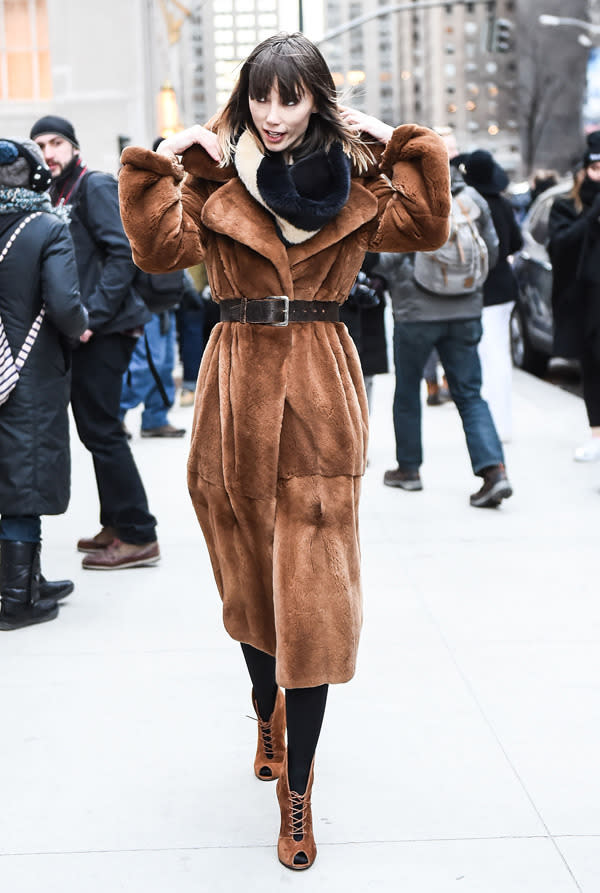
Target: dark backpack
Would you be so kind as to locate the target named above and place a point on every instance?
(158, 291)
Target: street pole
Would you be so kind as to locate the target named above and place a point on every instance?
(300, 16)
(554, 21)
(402, 7)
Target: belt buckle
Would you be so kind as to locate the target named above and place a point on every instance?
(286, 310)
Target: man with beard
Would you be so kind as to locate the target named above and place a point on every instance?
(117, 315)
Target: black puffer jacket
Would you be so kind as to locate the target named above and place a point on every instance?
(34, 426)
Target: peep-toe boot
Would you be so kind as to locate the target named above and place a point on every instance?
(296, 846)
(270, 748)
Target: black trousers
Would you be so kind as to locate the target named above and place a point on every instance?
(590, 369)
(98, 368)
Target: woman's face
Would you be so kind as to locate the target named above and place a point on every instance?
(281, 125)
(593, 171)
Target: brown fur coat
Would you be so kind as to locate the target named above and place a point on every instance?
(280, 424)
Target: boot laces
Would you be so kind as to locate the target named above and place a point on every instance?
(299, 804)
(267, 738)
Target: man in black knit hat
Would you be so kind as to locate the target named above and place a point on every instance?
(117, 316)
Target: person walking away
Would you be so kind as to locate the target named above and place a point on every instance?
(500, 290)
(117, 316)
(282, 196)
(40, 313)
(574, 248)
(438, 304)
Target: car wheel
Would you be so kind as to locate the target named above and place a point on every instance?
(524, 355)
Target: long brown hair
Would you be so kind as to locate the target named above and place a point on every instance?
(578, 179)
(295, 66)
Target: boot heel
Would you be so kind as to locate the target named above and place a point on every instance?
(270, 748)
(296, 848)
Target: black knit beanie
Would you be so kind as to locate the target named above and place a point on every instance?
(593, 148)
(55, 124)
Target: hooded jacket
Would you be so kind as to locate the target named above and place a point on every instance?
(34, 426)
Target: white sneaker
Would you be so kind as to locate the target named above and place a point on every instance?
(589, 451)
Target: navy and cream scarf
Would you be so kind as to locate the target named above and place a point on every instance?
(302, 197)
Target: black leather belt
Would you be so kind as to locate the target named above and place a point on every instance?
(277, 310)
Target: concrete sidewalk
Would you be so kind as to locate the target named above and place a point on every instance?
(463, 756)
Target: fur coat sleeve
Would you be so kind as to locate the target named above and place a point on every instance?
(161, 219)
(162, 208)
(412, 192)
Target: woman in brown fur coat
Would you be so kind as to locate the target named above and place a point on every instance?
(281, 196)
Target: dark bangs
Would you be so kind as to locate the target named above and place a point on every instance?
(274, 67)
(295, 66)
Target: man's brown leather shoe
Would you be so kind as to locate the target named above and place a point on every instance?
(120, 555)
(100, 541)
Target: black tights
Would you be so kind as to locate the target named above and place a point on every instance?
(304, 708)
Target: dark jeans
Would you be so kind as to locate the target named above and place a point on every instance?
(190, 326)
(98, 368)
(456, 342)
(21, 529)
(139, 384)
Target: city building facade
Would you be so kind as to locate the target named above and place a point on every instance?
(94, 63)
(452, 65)
(129, 71)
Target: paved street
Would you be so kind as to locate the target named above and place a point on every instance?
(462, 757)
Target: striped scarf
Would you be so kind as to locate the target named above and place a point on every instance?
(10, 368)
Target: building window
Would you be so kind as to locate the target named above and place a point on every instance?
(24, 50)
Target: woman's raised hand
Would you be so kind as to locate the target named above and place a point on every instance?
(179, 142)
(366, 123)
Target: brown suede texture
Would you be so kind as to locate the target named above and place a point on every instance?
(296, 820)
(280, 422)
(270, 746)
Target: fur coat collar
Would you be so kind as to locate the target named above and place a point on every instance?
(232, 211)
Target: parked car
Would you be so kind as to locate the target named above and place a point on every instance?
(531, 320)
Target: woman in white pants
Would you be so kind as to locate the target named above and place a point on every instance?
(499, 291)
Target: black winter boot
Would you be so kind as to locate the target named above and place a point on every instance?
(21, 604)
(55, 589)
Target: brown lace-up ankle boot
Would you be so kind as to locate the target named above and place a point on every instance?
(296, 846)
(270, 749)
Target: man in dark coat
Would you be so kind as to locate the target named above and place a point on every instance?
(40, 311)
(117, 315)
